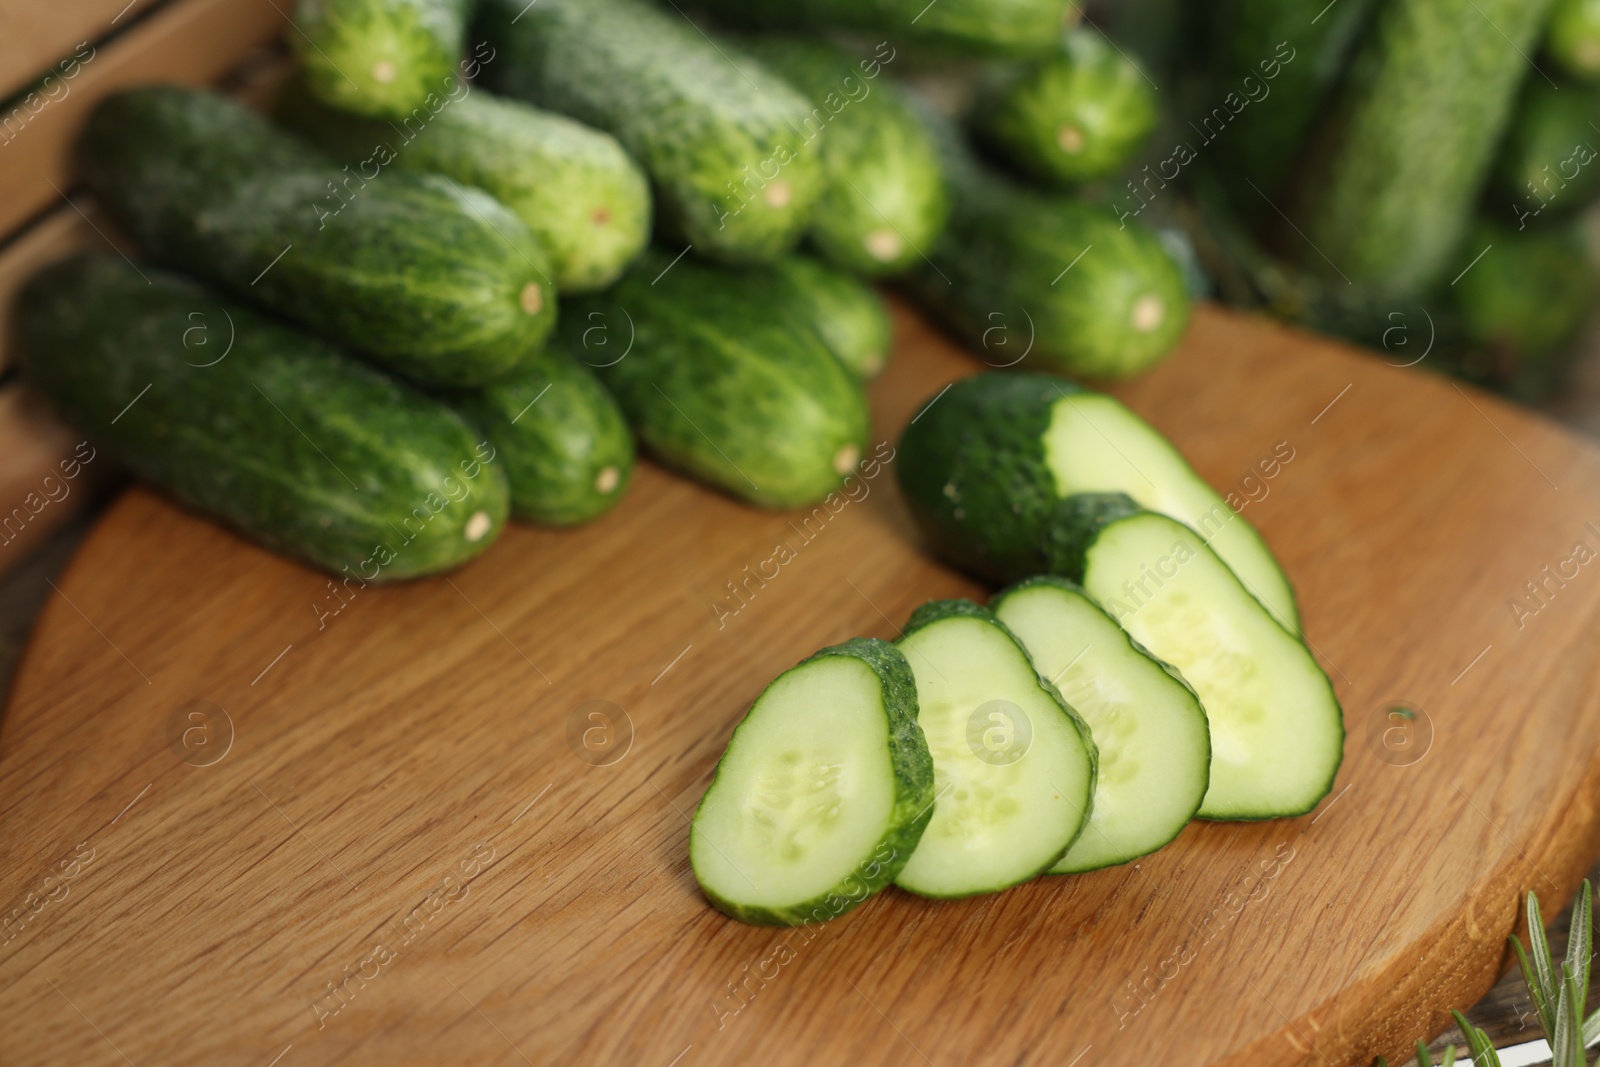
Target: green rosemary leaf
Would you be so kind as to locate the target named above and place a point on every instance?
(1530, 977)
(1580, 942)
(1449, 1057)
(1591, 1029)
(1539, 949)
(1483, 1052)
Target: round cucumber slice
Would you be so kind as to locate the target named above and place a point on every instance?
(822, 794)
(1013, 765)
(1277, 734)
(1149, 727)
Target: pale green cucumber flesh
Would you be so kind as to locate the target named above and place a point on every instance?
(1155, 746)
(997, 821)
(804, 796)
(1277, 734)
(1096, 445)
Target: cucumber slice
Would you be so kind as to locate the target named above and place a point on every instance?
(1155, 746)
(1095, 444)
(1013, 764)
(822, 794)
(1277, 734)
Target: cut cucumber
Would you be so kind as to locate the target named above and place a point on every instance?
(1154, 745)
(1013, 764)
(986, 466)
(822, 794)
(1277, 734)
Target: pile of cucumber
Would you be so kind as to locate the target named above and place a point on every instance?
(1142, 667)
(556, 232)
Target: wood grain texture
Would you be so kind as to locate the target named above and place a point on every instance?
(35, 35)
(409, 776)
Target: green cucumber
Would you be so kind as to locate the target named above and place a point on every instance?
(1277, 733)
(1149, 727)
(1548, 165)
(583, 197)
(1272, 67)
(1390, 186)
(1077, 116)
(378, 57)
(726, 143)
(1572, 38)
(563, 440)
(431, 279)
(721, 381)
(1525, 298)
(823, 792)
(986, 466)
(981, 26)
(1048, 282)
(885, 198)
(308, 451)
(850, 317)
(1013, 764)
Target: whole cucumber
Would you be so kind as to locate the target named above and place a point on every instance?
(848, 315)
(378, 57)
(1389, 188)
(1073, 117)
(730, 147)
(1573, 38)
(885, 199)
(985, 27)
(300, 447)
(723, 383)
(1548, 164)
(583, 196)
(1045, 282)
(435, 280)
(561, 437)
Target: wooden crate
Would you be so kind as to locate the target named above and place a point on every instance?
(56, 62)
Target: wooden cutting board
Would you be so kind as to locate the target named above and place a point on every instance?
(448, 823)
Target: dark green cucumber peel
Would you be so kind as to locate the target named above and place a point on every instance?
(907, 765)
(1389, 186)
(885, 198)
(578, 191)
(1047, 282)
(1238, 670)
(1069, 118)
(850, 317)
(1548, 166)
(725, 142)
(723, 380)
(983, 472)
(960, 790)
(432, 279)
(378, 57)
(303, 449)
(561, 437)
(1147, 721)
(982, 26)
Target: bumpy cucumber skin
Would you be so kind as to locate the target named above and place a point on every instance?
(560, 435)
(725, 141)
(912, 767)
(378, 57)
(849, 315)
(1531, 291)
(1056, 582)
(1572, 38)
(983, 26)
(1249, 39)
(1550, 130)
(431, 279)
(1389, 189)
(1028, 113)
(723, 380)
(1047, 282)
(939, 610)
(885, 198)
(583, 197)
(258, 425)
